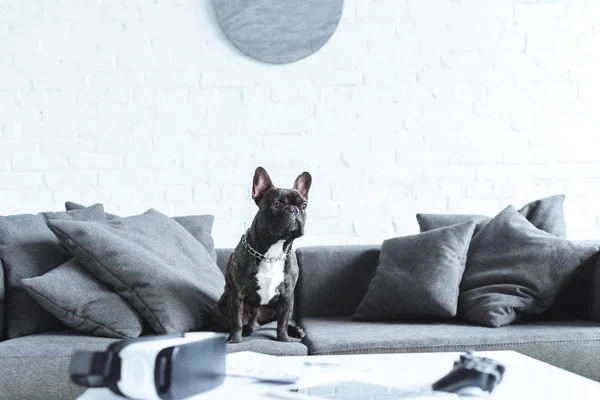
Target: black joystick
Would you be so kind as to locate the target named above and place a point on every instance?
(471, 375)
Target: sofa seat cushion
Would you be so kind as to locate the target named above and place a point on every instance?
(571, 345)
(264, 341)
(37, 366)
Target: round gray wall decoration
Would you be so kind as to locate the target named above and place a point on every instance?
(279, 31)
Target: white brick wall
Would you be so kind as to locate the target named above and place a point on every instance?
(414, 105)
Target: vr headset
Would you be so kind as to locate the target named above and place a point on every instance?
(173, 366)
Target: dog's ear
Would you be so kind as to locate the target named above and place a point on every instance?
(302, 184)
(260, 184)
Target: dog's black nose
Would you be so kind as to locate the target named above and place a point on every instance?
(293, 210)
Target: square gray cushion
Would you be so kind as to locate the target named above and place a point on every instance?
(27, 249)
(151, 261)
(418, 276)
(513, 267)
(545, 214)
(200, 226)
(92, 307)
(73, 295)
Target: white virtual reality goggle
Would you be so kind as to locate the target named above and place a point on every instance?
(172, 366)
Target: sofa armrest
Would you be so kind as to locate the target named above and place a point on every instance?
(587, 282)
(580, 298)
(594, 299)
(2, 299)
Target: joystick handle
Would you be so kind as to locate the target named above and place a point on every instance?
(471, 371)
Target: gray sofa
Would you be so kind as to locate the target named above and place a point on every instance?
(332, 282)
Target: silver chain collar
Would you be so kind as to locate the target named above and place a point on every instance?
(258, 255)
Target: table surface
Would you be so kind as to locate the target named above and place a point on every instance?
(525, 377)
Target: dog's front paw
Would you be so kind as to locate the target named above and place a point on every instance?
(283, 337)
(247, 330)
(234, 338)
(296, 332)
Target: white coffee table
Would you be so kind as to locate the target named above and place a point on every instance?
(525, 378)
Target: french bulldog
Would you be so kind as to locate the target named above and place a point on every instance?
(262, 272)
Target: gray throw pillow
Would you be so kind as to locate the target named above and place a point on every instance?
(514, 267)
(545, 214)
(418, 276)
(151, 261)
(27, 249)
(200, 226)
(71, 294)
(79, 310)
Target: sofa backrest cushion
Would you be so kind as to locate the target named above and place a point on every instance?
(223, 258)
(546, 214)
(334, 279)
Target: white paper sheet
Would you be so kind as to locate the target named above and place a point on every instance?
(284, 370)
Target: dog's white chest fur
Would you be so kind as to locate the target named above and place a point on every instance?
(270, 273)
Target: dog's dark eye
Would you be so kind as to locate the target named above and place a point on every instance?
(304, 205)
(276, 204)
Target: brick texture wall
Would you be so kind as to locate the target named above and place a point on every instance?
(414, 105)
